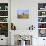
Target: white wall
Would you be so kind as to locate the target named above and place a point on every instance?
(23, 24)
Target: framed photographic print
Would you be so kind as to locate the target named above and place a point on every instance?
(3, 19)
(42, 32)
(22, 14)
(4, 29)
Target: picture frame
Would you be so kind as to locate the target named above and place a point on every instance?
(23, 14)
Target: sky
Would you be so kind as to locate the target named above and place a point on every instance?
(22, 11)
